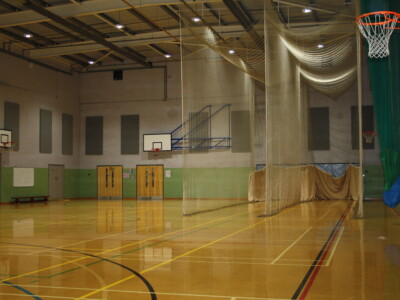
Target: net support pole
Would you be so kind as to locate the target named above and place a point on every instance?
(360, 211)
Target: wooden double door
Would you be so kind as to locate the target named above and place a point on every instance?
(109, 181)
(150, 182)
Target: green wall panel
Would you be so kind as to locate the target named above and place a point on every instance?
(373, 181)
(87, 179)
(219, 182)
(71, 183)
(129, 184)
(40, 188)
(212, 182)
(173, 185)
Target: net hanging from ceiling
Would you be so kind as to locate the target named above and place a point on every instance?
(220, 65)
(217, 109)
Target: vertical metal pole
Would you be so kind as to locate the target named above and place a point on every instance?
(229, 126)
(165, 83)
(360, 212)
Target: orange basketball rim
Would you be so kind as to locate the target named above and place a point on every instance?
(377, 27)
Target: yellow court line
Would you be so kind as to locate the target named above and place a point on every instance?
(172, 259)
(184, 254)
(118, 248)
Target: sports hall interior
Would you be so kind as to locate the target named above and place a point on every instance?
(197, 149)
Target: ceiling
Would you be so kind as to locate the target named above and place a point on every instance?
(82, 35)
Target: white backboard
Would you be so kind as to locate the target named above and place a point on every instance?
(161, 141)
(5, 138)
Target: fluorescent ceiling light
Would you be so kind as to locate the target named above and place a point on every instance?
(196, 19)
(91, 62)
(119, 26)
(307, 10)
(167, 55)
(320, 46)
(28, 35)
(231, 51)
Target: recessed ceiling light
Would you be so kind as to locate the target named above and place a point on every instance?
(167, 55)
(119, 26)
(28, 35)
(196, 19)
(231, 51)
(91, 62)
(320, 46)
(307, 10)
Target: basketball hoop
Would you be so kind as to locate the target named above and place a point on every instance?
(369, 136)
(155, 151)
(377, 27)
(8, 144)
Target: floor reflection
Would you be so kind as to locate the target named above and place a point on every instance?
(150, 216)
(110, 216)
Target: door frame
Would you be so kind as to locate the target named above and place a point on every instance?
(163, 182)
(97, 180)
(48, 178)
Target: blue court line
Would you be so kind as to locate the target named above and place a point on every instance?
(22, 290)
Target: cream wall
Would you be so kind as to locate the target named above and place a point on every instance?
(35, 87)
(142, 92)
(340, 128)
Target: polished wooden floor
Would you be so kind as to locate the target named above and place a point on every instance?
(113, 249)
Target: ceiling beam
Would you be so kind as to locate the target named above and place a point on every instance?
(20, 38)
(39, 9)
(87, 27)
(158, 49)
(60, 31)
(241, 17)
(9, 6)
(142, 18)
(215, 14)
(35, 62)
(123, 41)
(84, 8)
(106, 18)
(114, 57)
(35, 35)
(245, 10)
(171, 13)
(75, 60)
(313, 8)
(47, 52)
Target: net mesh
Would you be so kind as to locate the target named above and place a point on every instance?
(277, 73)
(217, 97)
(377, 28)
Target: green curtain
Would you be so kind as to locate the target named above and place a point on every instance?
(384, 76)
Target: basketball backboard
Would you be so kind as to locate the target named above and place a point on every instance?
(161, 141)
(5, 138)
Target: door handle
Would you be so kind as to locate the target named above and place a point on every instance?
(112, 177)
(147, 179)
(107, 177)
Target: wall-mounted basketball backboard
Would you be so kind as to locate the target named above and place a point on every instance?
(152, 142)
(5, 139)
